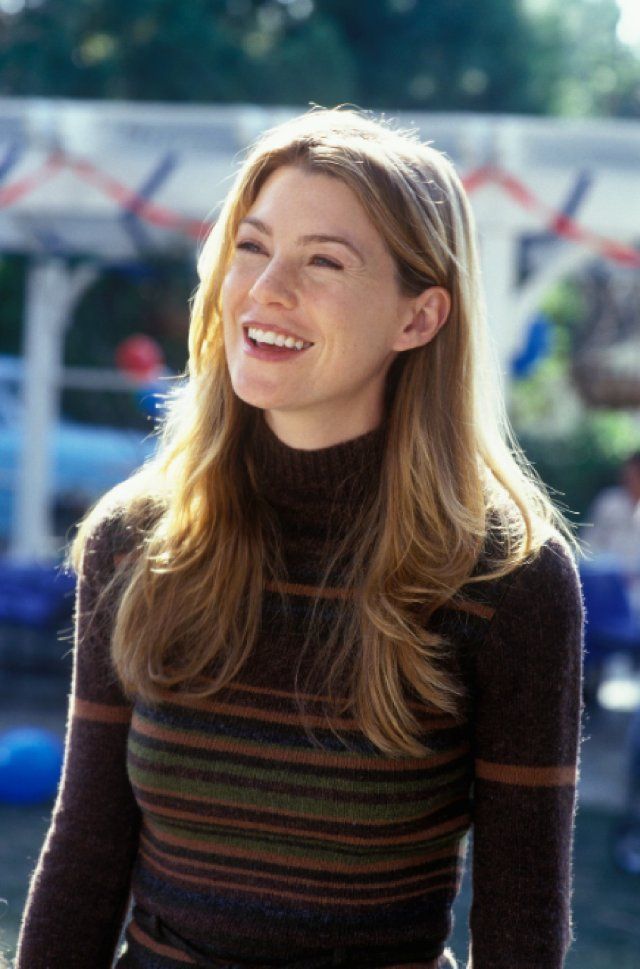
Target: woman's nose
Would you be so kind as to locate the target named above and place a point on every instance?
(275, 284)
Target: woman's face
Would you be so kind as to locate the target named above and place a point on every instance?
(309, 264)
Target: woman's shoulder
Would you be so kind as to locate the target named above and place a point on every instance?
(541, 601)
(547, 577)
(111, 532)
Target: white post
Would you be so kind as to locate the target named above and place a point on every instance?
(52, 291)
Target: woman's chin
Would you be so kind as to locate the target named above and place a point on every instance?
(258, 397)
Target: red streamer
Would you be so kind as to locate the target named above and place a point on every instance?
(559, 223)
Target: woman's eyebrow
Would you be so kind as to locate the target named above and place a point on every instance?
(303, 240)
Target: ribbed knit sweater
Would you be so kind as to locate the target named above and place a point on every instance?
(221, 817)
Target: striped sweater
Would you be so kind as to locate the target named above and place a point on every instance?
(220, 815)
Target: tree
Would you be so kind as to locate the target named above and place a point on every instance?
(168, 50)
(526, 56)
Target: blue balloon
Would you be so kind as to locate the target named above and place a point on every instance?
(151, 399)
(30, 765)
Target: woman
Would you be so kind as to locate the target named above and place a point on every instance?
(334, 622)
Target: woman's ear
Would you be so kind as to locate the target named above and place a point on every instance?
(428, 312)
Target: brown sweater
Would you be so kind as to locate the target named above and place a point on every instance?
(220, 817)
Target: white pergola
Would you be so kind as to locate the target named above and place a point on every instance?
(108, 182)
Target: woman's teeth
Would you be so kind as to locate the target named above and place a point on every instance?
(276, 339)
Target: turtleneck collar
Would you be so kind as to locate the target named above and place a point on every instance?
(345, 470)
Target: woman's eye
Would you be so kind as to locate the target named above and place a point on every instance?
(327, 262)
(248, 246)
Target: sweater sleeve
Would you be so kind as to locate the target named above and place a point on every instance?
(79, 892)
(527, 745)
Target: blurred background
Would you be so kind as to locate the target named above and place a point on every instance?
(121, 126)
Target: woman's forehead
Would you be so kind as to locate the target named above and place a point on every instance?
(313, 203)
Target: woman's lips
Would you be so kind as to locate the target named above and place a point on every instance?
(266, 351)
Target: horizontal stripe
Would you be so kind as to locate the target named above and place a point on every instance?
(317, 592)
(389, 787)
(445, 860)
(321, 837)
(101, 712)
(248, 729)
(263, 698)
(445, 865)
(303, 804)
(298, 756)
(353, 891)
(297, 851)
(469, 605)
(520, 775)
(159, 948)
(265, 715)
(190, 841)
(216, 884)
(248, 762)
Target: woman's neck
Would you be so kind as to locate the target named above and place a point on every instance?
(307, 433)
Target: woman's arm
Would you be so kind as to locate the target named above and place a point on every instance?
(79, 892)
(527, 738)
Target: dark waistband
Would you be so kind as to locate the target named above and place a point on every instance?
(358, 957)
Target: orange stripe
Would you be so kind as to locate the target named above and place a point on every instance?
(246, 711)
(297, 896)
(300, 758)
(180, 795)
(461, 821)
(150, 850)
(100, 712)
(526, 776)
(162, 950)
(443, 719)
(309, 863)
(468, 605)
(316, 592)
(253, 713)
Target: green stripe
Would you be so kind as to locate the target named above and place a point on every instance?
(256, 797)
(320, 782)
(302, 848)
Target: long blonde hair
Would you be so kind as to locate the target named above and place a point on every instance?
(453, 478)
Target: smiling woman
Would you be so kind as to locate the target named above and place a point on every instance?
(335, 622)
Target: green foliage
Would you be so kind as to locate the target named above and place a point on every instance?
(577, 451)
(579, 464)
(565, 304)
(525, 56)
(585, 70)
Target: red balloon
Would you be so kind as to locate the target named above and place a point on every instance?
(139, 356)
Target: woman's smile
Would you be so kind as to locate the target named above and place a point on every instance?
(266, 344)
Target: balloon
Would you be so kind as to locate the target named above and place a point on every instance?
(30, 765)
(139, 356)
(151, 398)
